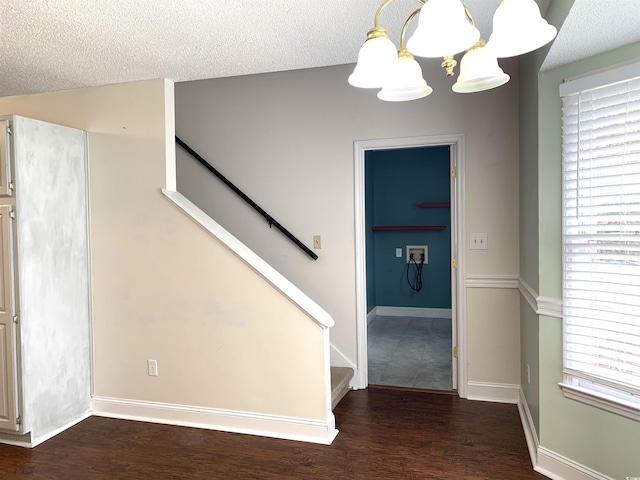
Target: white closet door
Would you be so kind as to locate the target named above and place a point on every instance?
(8, 364)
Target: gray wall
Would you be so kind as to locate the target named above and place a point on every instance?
(287, 138)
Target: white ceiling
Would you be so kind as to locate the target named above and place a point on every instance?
(50, 45)
(592, 27)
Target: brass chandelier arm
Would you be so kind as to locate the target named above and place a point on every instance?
(406, 24)
(376, 20)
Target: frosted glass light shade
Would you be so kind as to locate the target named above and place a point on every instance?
(443, 30)
(479, 71)
(407, 84)
(377, 59)
(519, 28)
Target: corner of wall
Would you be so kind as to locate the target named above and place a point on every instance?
(170, 130)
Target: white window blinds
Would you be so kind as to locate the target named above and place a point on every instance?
(601, 237)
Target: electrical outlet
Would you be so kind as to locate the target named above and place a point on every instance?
(398, 253)
(317, 242)
(152, 368)
(478, 241)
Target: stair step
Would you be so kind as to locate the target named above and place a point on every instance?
(340, 377)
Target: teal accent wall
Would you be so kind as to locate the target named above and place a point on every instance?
(399, 180)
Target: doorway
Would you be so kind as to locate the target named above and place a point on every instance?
(408, 264)
(453, 146)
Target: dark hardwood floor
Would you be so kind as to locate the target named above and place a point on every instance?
(384, 434)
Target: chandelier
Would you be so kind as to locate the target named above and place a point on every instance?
(445, 28)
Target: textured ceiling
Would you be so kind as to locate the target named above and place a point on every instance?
(50, 45)
(592, 27)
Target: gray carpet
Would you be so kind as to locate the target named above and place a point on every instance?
(410, 352)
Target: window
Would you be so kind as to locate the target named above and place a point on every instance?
(601, 239)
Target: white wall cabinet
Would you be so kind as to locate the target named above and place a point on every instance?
(45, 347)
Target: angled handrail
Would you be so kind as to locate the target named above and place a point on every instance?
(270, 220)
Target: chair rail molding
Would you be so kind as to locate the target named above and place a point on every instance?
(492, 281)
(547, 306)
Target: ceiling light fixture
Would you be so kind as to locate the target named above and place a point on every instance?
(446, 28)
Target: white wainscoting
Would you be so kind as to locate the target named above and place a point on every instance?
(275, 426)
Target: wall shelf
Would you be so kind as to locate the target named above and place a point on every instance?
(414, 227)
(434, 205)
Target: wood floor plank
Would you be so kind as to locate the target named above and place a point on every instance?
(384, 434)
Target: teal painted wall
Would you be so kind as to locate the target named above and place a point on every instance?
(399, 180)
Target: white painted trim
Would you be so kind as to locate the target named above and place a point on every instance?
(528, 293)
(23, 441)
(548, 462)
(492, 281)
(275, 426)
(315, 311)
(35, 441)
(29, 441)
(361, 379)
(600, 400)
(414, 312)
(558, 467)
(371, 315)
(530, 433)
(493, 392)
(547, 306)
(328, 403)
(457, 144)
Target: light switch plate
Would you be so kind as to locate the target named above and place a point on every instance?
(478, 241)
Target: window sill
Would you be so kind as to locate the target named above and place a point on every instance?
(602, 401)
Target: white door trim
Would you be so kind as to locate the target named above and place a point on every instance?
(456, 142)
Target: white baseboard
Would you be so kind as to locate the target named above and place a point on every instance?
(371, 315)
(412, 312)
(493, 392)
(548, 462)
(16, 440)
(300, 429)
(558, 467)
(530, 433)
(28, 440)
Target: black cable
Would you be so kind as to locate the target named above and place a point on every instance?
(418, 281)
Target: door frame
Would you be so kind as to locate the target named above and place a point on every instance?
(456, 143)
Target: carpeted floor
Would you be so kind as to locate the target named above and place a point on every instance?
(410, 352)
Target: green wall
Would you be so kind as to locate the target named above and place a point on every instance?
(597, 439)
(602, 441)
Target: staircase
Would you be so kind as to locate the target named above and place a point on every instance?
(340, 377)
